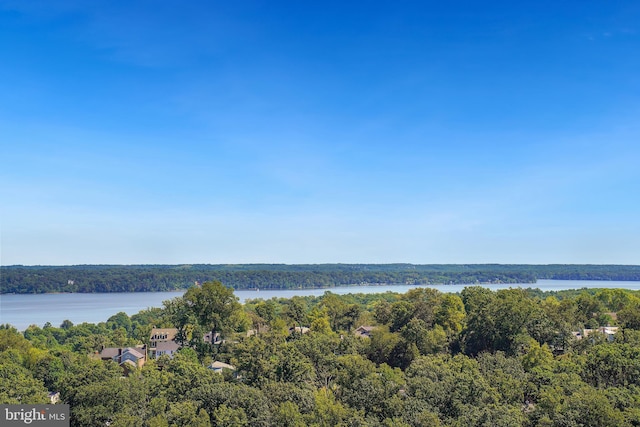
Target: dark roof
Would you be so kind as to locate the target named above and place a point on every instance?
(170, 334)
(109, 352)
(167, 345)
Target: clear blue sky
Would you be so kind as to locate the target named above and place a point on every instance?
(312, 132)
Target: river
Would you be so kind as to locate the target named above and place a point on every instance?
(22, 310)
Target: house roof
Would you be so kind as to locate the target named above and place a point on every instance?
(170, 334)
(110, 352)
(118, 352)
(221, 365)
(609, 330)
(364, 331)
(167, 346)
(134, 352)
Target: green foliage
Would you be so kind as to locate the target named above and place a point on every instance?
(120, 320)
(296, 310)
(503, 321)
(10, 338)
(214, 306)
(186, 373)
(506, 375)
(382, 345)
(536, 356)
(287, 414)
(238, 397)
(482, 358)
(80, 372)
(279, 393)
(587, 406)
(329, 412)
(17, 385)
(138, 278)
(613, 365)
(291, 366)
(377, 392)
(453, 386)
(321, 351)
(187, 414)
(629, 315)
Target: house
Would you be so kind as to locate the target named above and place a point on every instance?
(212, 338)
(299, 330)
(168, 348)
(133, 356)
(163, 341)
(159, 337)
(162, 335)
(364, 331)
(127, 357)
(608, 331)
(110, 353)
(218, 367)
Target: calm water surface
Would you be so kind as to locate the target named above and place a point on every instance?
(24, 310)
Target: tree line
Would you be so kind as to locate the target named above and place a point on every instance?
(478, 358)
(139, 278)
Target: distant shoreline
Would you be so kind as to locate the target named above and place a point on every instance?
(159, 278)
(326, 287)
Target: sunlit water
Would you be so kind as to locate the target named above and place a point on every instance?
(24, 310)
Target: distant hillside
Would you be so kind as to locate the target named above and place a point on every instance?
(135, 278)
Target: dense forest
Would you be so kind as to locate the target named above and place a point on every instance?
(136, 278)
(479, 358)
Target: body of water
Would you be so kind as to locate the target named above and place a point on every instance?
(22, 310)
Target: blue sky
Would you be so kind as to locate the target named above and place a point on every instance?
(313, 132)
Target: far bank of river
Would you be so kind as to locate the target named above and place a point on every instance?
(22, 310)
